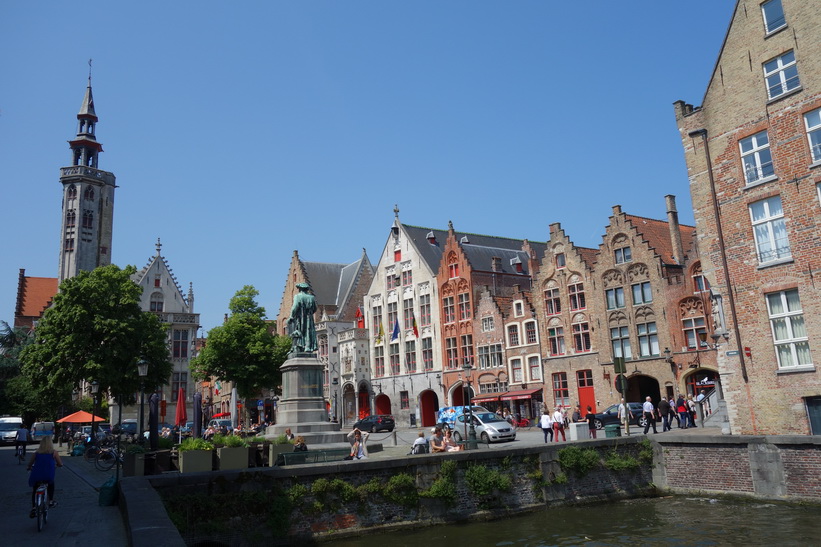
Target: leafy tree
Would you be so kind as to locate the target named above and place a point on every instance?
(95, 330)
(243, 350)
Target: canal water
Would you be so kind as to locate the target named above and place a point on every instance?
(668, 521)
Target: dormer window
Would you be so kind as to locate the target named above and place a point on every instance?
(517, 264)
(560, 262)
(518, 309)
(773, 13)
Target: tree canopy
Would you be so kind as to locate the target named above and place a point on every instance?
(243, 350)
(96, 331)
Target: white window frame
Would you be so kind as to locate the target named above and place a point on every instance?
(812, 123)
(620, 342)
(508, 330)
(790, 318)
(781, 75)
(756, 158)
(487, 324)
(537, 361)
(556, 334)
(518, 308)
(776, 21)
(517, 378)
(535, 331)
(623, 255)
(768, 222)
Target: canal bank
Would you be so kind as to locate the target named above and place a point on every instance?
(334, 500)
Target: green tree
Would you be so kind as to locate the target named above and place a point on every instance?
(243, 350)
(95, 330)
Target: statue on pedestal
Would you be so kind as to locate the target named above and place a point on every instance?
(301, 327)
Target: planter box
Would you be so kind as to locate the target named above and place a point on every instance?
(277, 449)
(232, 458)
(196, 461)
(134, 465)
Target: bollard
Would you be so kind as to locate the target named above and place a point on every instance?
(395, 443)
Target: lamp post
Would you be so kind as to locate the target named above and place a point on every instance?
(142, 370)
(471, 444)
(95, 388)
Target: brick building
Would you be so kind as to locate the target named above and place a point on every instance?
(753, 153)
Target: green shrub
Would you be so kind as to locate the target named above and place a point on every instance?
(646, 451)
(616, 462)
(135, 449)
(401, 489)
(230, 441)
(282, 439)
(444, 487)
(195, 444)
(165, 443)
(483, 481)
(578, 460)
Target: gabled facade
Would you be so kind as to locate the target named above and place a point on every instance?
(490, 364)
(753, 151)
(34, 296)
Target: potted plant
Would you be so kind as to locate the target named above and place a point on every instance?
(195, 455)
(257, 451)
(134, 461)
(232, 452)
(278, 446)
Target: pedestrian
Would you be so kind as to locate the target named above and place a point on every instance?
(624, 416)
(681, 409)
(577, 415)
(546, 423)
(649, 415)
(558, 424)
(664, 411)
(591, 422)
(691, 410)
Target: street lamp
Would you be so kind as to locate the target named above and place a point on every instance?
(471, 445)
(142, 370)
(95, 388)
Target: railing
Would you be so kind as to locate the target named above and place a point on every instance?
(83, 171)
(189, 318)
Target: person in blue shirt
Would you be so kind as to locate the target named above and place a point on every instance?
(42, 465)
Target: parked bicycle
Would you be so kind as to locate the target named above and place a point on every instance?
(107, 458)
(41, 504)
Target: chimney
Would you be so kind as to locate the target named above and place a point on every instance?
(675, 231)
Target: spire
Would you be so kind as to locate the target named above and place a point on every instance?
(85, 148)
(87, 108)
(159, 246)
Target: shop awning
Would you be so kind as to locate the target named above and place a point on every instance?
(522, 394)
(486, 398)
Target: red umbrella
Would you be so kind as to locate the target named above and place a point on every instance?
(181, 416)
(80, 417)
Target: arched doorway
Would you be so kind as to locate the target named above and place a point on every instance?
(457, 394)
(428, 406)
(640, 387)
(382, 404)
(348, 405)
(364, 400)
(700, 378)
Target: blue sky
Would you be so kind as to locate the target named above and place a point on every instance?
(240, 131)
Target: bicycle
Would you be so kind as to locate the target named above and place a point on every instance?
(107, 457)
(19, 455)
(41, 505)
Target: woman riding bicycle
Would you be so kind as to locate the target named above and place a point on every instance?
(42, 465)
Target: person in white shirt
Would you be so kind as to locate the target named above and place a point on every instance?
(558, 424)
(649, 415)
(624, 416)
(546, 423)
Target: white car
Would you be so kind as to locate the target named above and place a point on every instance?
(489, 427)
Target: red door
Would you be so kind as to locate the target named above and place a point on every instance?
(587, 395)
(364, 404)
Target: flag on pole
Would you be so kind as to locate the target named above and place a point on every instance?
(415, 326)
(395, 333)
(217, 388)
(380, 334)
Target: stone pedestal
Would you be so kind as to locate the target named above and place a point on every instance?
(578, 431)
(302, 405)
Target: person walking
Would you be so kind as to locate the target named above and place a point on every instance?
(591, 422)
(546, 423)
(664, 411)
(649, 415)
(558, 424)
(624, 416)
(691, 410)
(681, 409)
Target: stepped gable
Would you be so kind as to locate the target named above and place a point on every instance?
(656, 233)
(34, 296)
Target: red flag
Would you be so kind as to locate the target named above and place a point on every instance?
(415, 326)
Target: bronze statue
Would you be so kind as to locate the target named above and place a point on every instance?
(301, 327)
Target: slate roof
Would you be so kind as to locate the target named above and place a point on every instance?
(332, 284)
(481, 259)
(657, 234)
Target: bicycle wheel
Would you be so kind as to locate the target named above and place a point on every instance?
(40, 508)
(91, 453)
(105, 460)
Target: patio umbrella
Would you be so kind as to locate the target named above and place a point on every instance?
(180, 416)
(234, 408)
(80, 417)
(197, 415)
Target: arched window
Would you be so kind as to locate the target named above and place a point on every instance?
(89, 194)
(88, 219)
(72, 192)
(156, 302)
(71, 219)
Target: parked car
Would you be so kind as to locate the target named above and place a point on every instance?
(8, 428)
(449, 414)
(489, 427)
(610, 416)
(376, 422)
(129, 427)
(217, 423)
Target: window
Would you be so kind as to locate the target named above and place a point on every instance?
(72, 192)
(407, 313)
(756, 157)
(404, 401)
(487, 324)
(770, 230)
(156, 302)
(450, 310)
(407, 278)
(424, 310)
(577, 296)
(453, 270)
(451, 353)
(530, 332)
(179, 380)
(393, 355)
(812, 121)
(393, 314)
(615, 298)
(71, 219)
(322, 342)
(89, 194)
(561, 395)
(513, 335)
(581, 336)
(427, 353)
(397, 255)
(692, 327)
(69, 244)
(516, 370)
(379, 361)
(535, 366)
(560, 261)
(789, 334)
(584, 378)
(410, 356)
(464, 306)
(552, 304)
(642, 293)
(781, 74)
(88, 220)
(377, 320)
(620, 340)
(648, 339)
(157, 281)
(700, 283)
(392, 281)
(518, 309)
(467, 348)
(490, 356)
(555, 337)
(180, 344)
(623, 255)
(773, 14)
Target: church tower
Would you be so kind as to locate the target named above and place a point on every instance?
(88, 200)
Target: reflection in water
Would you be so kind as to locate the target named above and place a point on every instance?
(658, 521)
